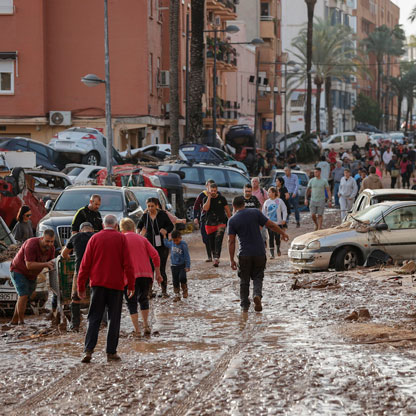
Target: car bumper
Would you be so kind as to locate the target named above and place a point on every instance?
(67, 147)
(309, 260)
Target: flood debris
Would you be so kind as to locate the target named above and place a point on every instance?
(362, 314)
(409, 267)
(330, 282)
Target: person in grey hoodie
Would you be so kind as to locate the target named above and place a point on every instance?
(347, 191)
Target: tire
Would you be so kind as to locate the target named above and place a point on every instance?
(91, 158)
(347, 258)
(19, 175)
(189, 210)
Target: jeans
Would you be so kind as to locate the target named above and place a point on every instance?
(250, 268)
(163, 254)
(141, 295)
(273, 236)
(178, 275)
(336, 189)
(205, 238)
(100, 298)
(294, 204)
(215, 242)
(406, 180)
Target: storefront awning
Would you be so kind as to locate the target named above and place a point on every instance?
(8, 55)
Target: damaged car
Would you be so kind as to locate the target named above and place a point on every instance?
(389, 227)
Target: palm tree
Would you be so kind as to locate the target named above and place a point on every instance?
(310, 4)
(333, 55)
(196, 78)
(174, 76)
(412, 16)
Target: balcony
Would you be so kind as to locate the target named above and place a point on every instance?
(224, 8)
(226, 55)
(267, 28)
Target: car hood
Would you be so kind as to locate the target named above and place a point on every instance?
(305, 239)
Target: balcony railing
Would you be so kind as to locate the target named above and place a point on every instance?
(225, 52)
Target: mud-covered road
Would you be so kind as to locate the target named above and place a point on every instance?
(297, 357)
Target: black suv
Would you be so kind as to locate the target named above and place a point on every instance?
(119, 201)
(46, 157)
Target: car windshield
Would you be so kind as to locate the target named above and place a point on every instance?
(371, 213)
(76, 199)
(143, 195)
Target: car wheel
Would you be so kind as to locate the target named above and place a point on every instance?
(190, 210)
(346, 259)
(91, 158)
(19, 175)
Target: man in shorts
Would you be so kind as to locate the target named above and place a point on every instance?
(316, 188)
(35, 255)
(77, 245)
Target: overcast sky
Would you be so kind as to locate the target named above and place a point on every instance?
(405, 8)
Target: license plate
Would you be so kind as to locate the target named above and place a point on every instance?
(296, 254)
(8, 296)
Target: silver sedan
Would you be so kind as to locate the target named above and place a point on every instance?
(389, 227)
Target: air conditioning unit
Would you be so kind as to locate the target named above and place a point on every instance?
(164, 79)
(60, 118)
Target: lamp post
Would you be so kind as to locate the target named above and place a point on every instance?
(92, 80)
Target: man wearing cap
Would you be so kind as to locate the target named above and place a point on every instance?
(90, 214)
(77, 245)
(347, 191)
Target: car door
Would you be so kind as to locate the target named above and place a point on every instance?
(218, 176)
(138, 212)
(399, 241)
(193, 184)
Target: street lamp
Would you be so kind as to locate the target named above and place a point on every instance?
(91, 80)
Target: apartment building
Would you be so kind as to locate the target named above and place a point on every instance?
(47, 46)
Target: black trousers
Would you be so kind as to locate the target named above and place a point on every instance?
(178, 275)
(141, 295)
(205, 238)
(163, 254)
(250, 268)
(273, 236)
(100, 298)
(215, 242)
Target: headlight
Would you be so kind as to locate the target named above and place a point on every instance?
(155, 181)
(314, 245)
(41, 229)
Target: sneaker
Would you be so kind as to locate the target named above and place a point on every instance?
(257, 304)
(272, 256)
(297, 225)
(216, 262)
(113, 357)
(87, 357)
(279, 253)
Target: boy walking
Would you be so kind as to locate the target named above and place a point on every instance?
(180, 263)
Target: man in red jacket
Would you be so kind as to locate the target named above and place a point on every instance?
(108, 266)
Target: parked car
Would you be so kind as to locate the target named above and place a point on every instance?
(159, 151)
(200, 153)
(142, 193)
(47, 184)
(46, 157)
(374, 196)
(397, 137)
(228, 160)
(230, 181)
(303, 179)
(14, 193)
(389, 226)
(238, 137)
(82, 174)
(83, 145)
(119, 201)
(367, 128)
(345, 140)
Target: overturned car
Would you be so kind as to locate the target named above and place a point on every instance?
(389, 227)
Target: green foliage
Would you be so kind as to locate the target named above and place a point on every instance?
(307, 151)
(367, 110)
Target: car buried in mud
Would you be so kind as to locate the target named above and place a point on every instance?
(389, 227)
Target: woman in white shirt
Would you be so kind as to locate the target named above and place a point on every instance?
(275, 210)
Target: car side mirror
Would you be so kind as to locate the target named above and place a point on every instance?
(48, 205)
(132, 206)
(382, 227)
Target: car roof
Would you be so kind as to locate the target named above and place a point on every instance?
(144, 188)
(387, 191)
(96, 188)
(25, 138)
(394, 203)
(46, 171)
(204, 165)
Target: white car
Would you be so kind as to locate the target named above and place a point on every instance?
(82, 174)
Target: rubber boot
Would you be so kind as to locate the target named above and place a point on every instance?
(75, 316)
(177, 297)
(184, 287)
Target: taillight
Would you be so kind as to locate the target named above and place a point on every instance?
(89, 136)
(55, 136)
(203, 149)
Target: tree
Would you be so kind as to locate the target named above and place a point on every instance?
(412, 16)
(196, 77)
(174, 77)
(333, 56)
(367, 110)
(310, 4)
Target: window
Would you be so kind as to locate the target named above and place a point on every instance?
(151, 73)
(264, 9)
(38, 148)
(216, 175)
(6, 7)
(237, 180)
(402, 218)
(191, 175)
(150, 7)
(7, 76)
(336, 139)
(350, 138)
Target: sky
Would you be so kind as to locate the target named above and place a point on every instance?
(405, 8)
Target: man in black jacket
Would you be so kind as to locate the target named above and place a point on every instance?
(90, 214)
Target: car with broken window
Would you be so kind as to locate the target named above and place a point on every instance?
(389, 227)
(47, 184)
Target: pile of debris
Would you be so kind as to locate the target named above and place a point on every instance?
(330, 282)
(9, 252)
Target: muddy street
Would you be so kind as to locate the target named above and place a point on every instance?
(297, 357)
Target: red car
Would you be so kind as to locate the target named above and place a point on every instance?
(15, 191)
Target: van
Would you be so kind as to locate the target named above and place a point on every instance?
(344, 140)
